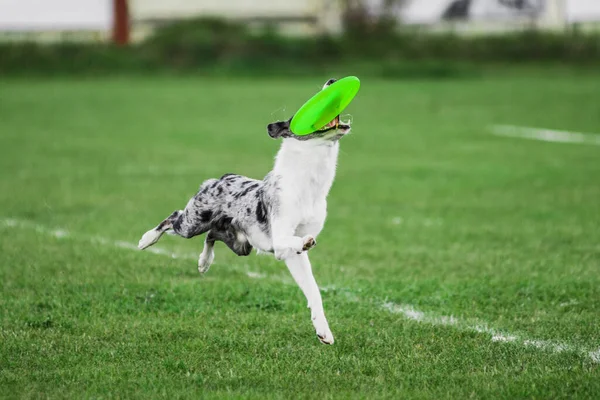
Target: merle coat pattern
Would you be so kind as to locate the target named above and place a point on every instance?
(281, 214)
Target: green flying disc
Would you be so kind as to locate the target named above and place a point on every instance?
(324, 106)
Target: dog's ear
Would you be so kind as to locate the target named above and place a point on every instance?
(279, 129)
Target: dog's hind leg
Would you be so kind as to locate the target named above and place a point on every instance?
(152, 236)
(235, 240)
(208, 254)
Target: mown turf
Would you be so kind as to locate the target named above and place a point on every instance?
(428, 209)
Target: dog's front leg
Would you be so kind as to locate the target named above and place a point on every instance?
(301, 270)
(285, 243)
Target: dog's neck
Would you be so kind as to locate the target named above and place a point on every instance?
(307, 166)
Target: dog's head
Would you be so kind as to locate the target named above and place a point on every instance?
(332, 131)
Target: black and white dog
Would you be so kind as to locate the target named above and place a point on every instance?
(282, 214)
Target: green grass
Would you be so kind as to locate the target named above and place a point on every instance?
(496, 230)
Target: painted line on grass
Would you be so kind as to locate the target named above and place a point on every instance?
(407, 311)
(64, 234)
(153, 170)
(425, 222)
(545, 135)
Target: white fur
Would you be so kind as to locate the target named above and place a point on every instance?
(306, 170)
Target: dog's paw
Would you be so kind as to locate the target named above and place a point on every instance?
(308, 242)
(325, 336)
(205, 261)
(322, 328)
(292, 246)
(149, 238)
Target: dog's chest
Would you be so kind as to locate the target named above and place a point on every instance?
(306, 173)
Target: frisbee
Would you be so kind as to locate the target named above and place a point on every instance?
(324, 106)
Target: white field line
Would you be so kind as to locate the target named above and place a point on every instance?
(407, 311)
(128, 171)
(546, 135)
(348, 294)
(153, 170)
(426, 222)
(62, 234)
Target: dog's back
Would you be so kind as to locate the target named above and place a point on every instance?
(233, 207)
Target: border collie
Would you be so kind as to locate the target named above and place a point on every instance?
(281, 214)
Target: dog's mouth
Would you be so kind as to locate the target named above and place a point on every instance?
(336, 123)
(333, 124)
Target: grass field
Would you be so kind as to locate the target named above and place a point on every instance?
(430, 217)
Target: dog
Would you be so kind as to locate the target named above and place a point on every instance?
(282, 214)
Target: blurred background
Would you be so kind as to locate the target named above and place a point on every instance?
(467, 194)
(291, 37)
